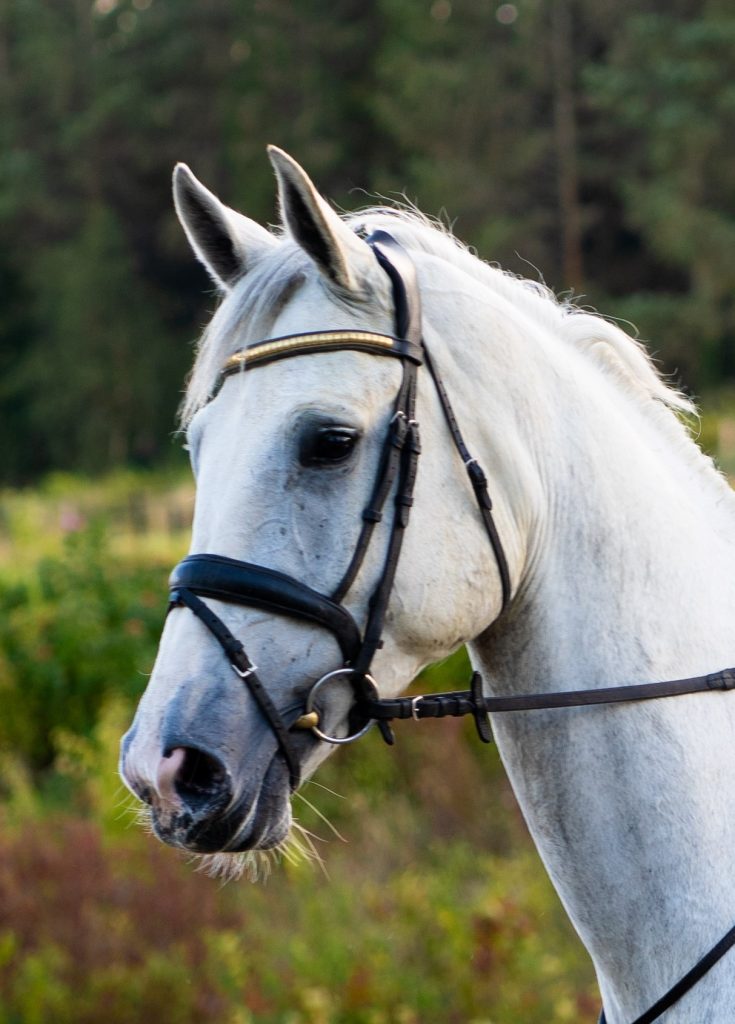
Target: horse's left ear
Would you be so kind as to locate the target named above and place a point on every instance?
(343, 257)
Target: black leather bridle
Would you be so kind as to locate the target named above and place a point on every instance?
(235, 582)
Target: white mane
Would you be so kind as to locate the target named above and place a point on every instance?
(616, 354)
(613, 349)
(610, 347)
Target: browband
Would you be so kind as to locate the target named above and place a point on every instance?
(227, 579)
(320, 341)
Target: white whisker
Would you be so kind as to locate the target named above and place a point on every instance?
(333, 829)
(332, 792)
(304, 851)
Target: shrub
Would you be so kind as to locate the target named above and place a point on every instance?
(124, 931)
(82, 626)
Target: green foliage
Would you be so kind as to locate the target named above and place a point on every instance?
(667, 82)
(128, 933)
(75, 632)
(115, 927)
(460, 106)
(100, 375)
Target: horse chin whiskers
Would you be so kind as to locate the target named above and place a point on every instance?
(253, 865)
(297, 848)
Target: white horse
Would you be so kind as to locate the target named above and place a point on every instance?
(618, 535)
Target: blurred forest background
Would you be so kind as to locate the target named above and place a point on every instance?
(588, 143)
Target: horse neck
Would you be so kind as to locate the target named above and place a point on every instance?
(629, 577)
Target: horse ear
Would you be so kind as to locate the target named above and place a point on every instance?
(227, 243)
(337, 251)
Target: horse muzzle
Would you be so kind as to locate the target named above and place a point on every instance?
(193, 804)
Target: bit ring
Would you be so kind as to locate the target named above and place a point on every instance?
(308, 721)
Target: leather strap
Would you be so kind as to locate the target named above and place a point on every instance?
(686, 983)
(373, 514)
(469, 702)
(477, 478)
(227, 579)
(239, 660)
(400, 268)
(272, 349)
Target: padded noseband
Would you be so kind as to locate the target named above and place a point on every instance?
(227, 579)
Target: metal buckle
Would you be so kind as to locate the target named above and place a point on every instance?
(307, 719)
(248, 671)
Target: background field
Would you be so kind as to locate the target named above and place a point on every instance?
(588, 144)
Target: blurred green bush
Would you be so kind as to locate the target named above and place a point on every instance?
(78, 629)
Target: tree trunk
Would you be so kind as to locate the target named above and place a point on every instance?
(565, 142)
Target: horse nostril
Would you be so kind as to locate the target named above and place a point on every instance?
(190, 776)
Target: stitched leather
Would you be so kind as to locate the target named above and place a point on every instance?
(247, 672)
(227, 579)
(467, 702)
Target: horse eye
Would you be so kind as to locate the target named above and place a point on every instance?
(325, 445)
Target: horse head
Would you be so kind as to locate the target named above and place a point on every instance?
(288, 459)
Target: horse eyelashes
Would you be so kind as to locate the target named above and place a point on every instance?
(327, 445)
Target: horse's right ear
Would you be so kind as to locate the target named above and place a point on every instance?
(227, 243)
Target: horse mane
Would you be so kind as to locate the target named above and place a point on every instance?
(267, 286)
(618, 356)
(616, 353)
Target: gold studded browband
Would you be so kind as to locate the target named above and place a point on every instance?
(320, 341)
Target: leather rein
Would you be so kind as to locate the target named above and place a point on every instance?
(244, 583)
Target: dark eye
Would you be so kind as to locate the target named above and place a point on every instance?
(327, 445)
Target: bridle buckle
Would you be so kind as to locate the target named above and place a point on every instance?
(244, 673)
(415, 708)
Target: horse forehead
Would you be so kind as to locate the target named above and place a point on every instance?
(316, 306)
(355, 385)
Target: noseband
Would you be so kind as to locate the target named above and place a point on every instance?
(244, 583)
